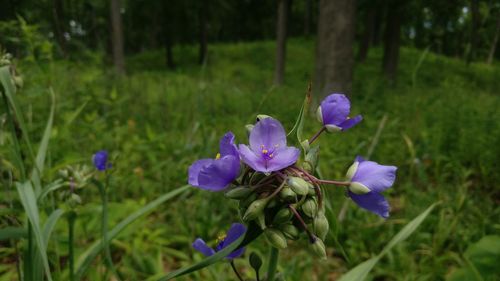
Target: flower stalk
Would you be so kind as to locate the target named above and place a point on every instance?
(272, 263)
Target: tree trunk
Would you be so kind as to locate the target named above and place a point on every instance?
(58, 18)
(367, 34)
(334, 47)
(117, 37)
(202, 15)
(281, 23)
(392, 41)
(491, 55)
(377, 25)
(308, 18)
(474, 8)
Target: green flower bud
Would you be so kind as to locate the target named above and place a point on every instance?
(321, 225)
(244, 203)
(282, 216)
(273, 203)
(312, 157)
(240, 192)
(255, 209)
(312, 191)
(276, 238)
(249, 128)
(287, 193)
(262, 117)
(305, 145)
(255, 261)
(310, 208)
(291, 232)
(298, 185)
(318, 248)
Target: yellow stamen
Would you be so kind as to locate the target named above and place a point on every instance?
(221, 238)
(265, 151)
(271, 155)
(217, 157)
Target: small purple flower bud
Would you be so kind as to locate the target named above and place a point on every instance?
(100, 160)
(334, 111)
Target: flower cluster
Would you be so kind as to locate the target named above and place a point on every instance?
(279, 191)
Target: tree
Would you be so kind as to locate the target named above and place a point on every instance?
(281, 26)
(203, 32)
(392, 39)
(369, 29)
(473, 37)
(491, 54)
(117, 36)
(334, 47)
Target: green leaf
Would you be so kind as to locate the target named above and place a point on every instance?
(42, 150)
(12, 233)
(49, 188)
(85, 260)
(299, 124)
(253, 232)
(361, 271)
(47, 232)
(28, 200)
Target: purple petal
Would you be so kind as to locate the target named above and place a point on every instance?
(375, 176)
(235, 232)
(227, 146)
(335, 109)
(283, 158)
(217, 175)
(200, 246)
(267, 134)
(373, 202)
(256, 162)
(100, 160)
(351, 122)
(195, 168)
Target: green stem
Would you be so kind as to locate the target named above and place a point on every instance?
(104, 228)
(272, 263)
(71, 254)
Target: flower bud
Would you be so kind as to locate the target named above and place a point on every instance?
(312, 157)
(273, 203)
(287, 193)
(290, 231)
(244, 203)
(249, 128)
(298, 185)
(321, 225)
(240, 192)
(310, 208)
(262, 117)
(255, 209)
(312, 191)
(305, 145)
(282, 216)
(255, 261)
(276, 238)
(318, 248)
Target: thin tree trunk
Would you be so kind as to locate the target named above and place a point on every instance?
(491, 54)
(308, 18)
(281, 23)
(474, 8)
(117, 37)
(334, 47)
(202, 14)
(377, 25)
(392, 41)
(58, 17)
(367, 34)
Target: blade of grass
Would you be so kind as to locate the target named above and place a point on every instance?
(85, 259)
(11, 232)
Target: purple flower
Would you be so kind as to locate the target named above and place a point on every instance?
(100, 160)
(268, 151)
(235, 232)
(334, 111)
(216, 174)
(368, 179)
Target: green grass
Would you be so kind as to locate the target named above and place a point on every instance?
(442, 132)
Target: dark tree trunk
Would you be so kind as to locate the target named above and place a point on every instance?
(169, 53)
(117, 36)
(474, 8)
(377, 25)
(58, 19)
(392, 40)
(167, 20)
(281, 23)
(368, 33)
(202, 15)
(334, 47)
(491, 54)
(308, 18)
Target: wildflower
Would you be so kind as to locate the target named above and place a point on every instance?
(216, 174)
(100, 160)
(235, 232)
(334, 111)
(367, 180)
(268, 151)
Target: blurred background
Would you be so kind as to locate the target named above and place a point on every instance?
(157, 83)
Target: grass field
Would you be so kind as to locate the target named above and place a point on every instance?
(442, 130)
